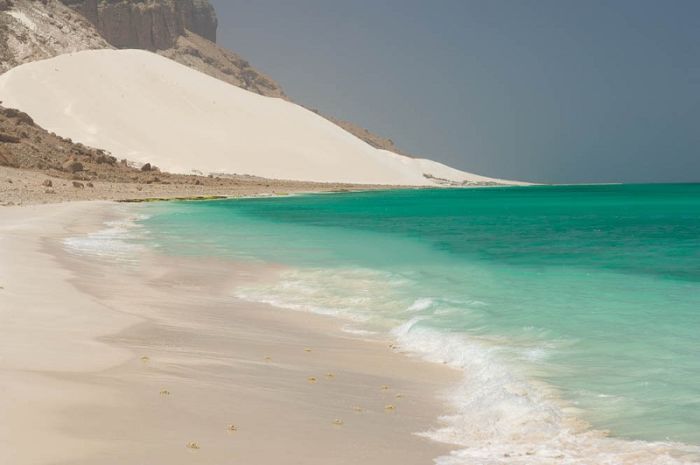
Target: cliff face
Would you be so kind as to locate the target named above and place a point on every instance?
(148, 24)
(200, 18)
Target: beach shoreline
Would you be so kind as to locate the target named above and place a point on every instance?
(108, 361)
(20, 187)
(114, 351)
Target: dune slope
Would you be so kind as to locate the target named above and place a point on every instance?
(146, 108)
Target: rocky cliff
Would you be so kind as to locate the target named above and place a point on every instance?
(148, 24)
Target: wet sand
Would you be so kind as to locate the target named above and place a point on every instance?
(115, 362)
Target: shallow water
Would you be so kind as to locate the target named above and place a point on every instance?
(560, 303)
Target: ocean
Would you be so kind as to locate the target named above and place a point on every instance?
(573, 311)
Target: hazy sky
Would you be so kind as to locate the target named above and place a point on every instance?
(539, 90)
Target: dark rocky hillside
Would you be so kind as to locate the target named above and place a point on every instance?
(148, 24)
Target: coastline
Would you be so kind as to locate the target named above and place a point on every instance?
(35, 187)
(94, 344)
(503, 410)
(28, 187)
(92, 347)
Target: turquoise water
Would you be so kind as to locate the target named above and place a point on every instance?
(558, 302)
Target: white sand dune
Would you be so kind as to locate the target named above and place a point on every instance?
(146, 108)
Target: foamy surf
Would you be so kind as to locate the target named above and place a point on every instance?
(115, 241)
(339, 292)
(502, 417)
(498, 414)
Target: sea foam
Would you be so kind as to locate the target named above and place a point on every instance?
(498, 414)
(115, 240)
(502, 417)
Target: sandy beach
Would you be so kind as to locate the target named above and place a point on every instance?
(451, 233)
(132, 362)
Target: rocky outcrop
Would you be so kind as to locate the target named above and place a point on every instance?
(199, 17)
(195, 52)
(5, 161)
(378, 142)
(88, 8)
(33, 30)
(23, 144)
(148, 24)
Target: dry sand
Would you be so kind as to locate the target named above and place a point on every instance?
(105, 362)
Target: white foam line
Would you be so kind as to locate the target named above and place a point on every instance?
(501, 417)
(110, 242)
